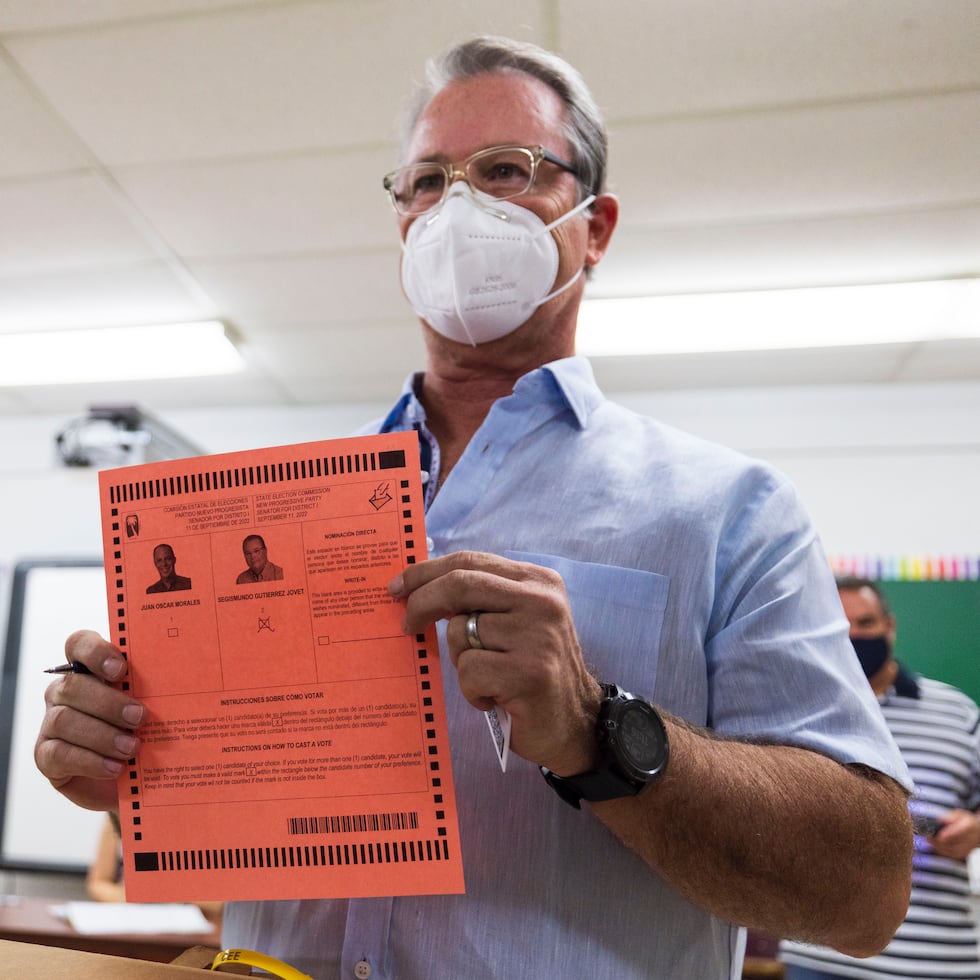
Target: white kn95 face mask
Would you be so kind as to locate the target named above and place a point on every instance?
(475, 268)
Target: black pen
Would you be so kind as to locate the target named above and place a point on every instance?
(75, 667)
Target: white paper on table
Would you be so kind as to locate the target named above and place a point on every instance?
(113, 918)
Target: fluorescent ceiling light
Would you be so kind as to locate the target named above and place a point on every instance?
(167, 350)
(838, 316)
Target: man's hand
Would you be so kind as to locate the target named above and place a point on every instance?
(531, 663)
(87, 733)
(959, 834)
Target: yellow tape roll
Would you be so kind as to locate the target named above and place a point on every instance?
(268, 963)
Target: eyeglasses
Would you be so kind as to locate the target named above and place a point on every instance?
(501, 171)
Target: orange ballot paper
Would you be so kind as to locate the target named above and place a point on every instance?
(295, 744)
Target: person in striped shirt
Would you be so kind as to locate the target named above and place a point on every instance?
(936, 728)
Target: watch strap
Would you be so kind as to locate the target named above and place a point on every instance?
(594, 786)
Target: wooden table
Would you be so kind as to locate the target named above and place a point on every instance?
(29, 920)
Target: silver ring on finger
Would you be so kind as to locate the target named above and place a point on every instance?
(472, 633)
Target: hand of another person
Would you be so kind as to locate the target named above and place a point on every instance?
(531, 662)
(87, 733)
(959, 835)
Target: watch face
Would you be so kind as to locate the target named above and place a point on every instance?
(641, 737)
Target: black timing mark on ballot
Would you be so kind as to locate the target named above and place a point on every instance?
(249, 476)
(290, 856)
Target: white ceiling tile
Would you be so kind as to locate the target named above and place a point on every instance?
(65, 222)
(173, 89)
(33, 141)
(704, 55)
(317, 201)
(108, 296)
(908, 153)
(325, 288)
(13, 402)
(380, 386)
(358, 362)
(819, 250)
(330, 351)
(948, 360)
(742, 369)
(30, 15)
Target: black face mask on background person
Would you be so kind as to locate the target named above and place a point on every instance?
(872, 651)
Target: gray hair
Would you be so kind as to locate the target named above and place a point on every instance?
(485, 54)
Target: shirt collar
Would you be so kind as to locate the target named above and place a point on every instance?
(906, 686)
(569, 381)
(576, 385)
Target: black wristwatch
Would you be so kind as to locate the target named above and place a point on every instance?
(633, 751)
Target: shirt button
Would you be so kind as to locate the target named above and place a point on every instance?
(362, 970)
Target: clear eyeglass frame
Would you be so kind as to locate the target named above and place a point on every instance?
(419, 203)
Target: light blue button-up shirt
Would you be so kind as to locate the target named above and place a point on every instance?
(695, 580)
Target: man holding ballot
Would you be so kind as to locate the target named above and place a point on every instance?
(594, 574)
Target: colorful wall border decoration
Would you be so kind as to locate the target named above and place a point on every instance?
(909, 568)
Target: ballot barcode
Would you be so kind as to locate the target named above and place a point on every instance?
(207, 481)
(295, 856)
(353, 823)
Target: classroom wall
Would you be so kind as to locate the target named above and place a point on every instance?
(886, 470)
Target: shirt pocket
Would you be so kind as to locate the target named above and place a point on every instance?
(619, 617)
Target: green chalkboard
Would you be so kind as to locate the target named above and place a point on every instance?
(939, 630)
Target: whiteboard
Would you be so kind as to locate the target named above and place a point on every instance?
(50, 598)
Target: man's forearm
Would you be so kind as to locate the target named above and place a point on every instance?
(776, 838)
